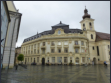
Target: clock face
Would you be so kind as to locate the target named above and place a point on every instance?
(59, 32)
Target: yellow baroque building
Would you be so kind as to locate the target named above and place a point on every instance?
(62, 45)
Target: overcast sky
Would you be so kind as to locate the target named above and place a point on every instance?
(39, 16)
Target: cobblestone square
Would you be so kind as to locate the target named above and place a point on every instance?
(57, 74)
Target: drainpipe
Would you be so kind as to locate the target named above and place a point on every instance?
(11, 42)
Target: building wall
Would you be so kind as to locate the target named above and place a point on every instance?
(9, 51)
(17, 52)
(4, 26)
(71, 55)
(11, 6)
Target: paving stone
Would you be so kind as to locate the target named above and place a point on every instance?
(57, 74)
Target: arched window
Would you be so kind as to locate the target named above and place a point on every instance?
(77, 60)
(91, 36)
(83, 25)
(90, 24)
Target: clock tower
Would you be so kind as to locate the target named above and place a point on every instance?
(87, 24)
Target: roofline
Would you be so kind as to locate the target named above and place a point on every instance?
(7, 10)
(102, 32)
(14, 5)
(18, 27)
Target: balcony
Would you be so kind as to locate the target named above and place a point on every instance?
(59, 45)
(76, 45)
(43, 47)
(52, 45)
(66, 45)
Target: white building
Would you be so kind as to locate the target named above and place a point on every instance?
(12, 35)
(5, 19)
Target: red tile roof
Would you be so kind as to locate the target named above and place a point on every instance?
(102, 36)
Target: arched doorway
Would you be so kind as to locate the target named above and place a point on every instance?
(77, 60)
(43, 61)
(25, 60)
(94, 59)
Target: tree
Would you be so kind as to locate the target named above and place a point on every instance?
(20, 57)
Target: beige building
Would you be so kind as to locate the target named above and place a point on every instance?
(17, 52)
(64, 45)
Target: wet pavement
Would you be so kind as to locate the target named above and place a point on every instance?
(57, 74)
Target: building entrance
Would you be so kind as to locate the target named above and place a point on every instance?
(43, 61)
(94, 59)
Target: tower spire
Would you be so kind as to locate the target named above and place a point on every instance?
(60, 22)
(86, 15)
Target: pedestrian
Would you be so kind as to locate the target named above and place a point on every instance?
(93, 62)
(16, 66)
(105, 63)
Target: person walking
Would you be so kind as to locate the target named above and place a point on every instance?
(105, 63)
(92, 62)
(16, 66)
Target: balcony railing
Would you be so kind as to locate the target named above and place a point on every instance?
(76, 45)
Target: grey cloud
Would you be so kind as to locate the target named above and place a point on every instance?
(41, 15)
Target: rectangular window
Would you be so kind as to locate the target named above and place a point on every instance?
(76, 42)
(76, 50)
(35, 46)
(108, 47)
(32, 46)
(109, 52)
(53, 59)
(59, 50)
(31, 59)
(82, 43)
(34, 51)
(38, 51)
(65, 59)
(43, 51)
(43, 43)
(82, 50)
(52, 43)
(65, 43)
(90, 28)
(29, 47)
(52, 50)
(59, 43)
(37, 59)
(83, 59)
(93, 47)
(97, 50)
(66, 50)
(38, 45)
(31, 52)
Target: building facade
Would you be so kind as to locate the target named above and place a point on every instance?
(5, 19)
(65, 45)
(17, 52)
(12, 35)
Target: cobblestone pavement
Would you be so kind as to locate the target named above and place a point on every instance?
(57, 74)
